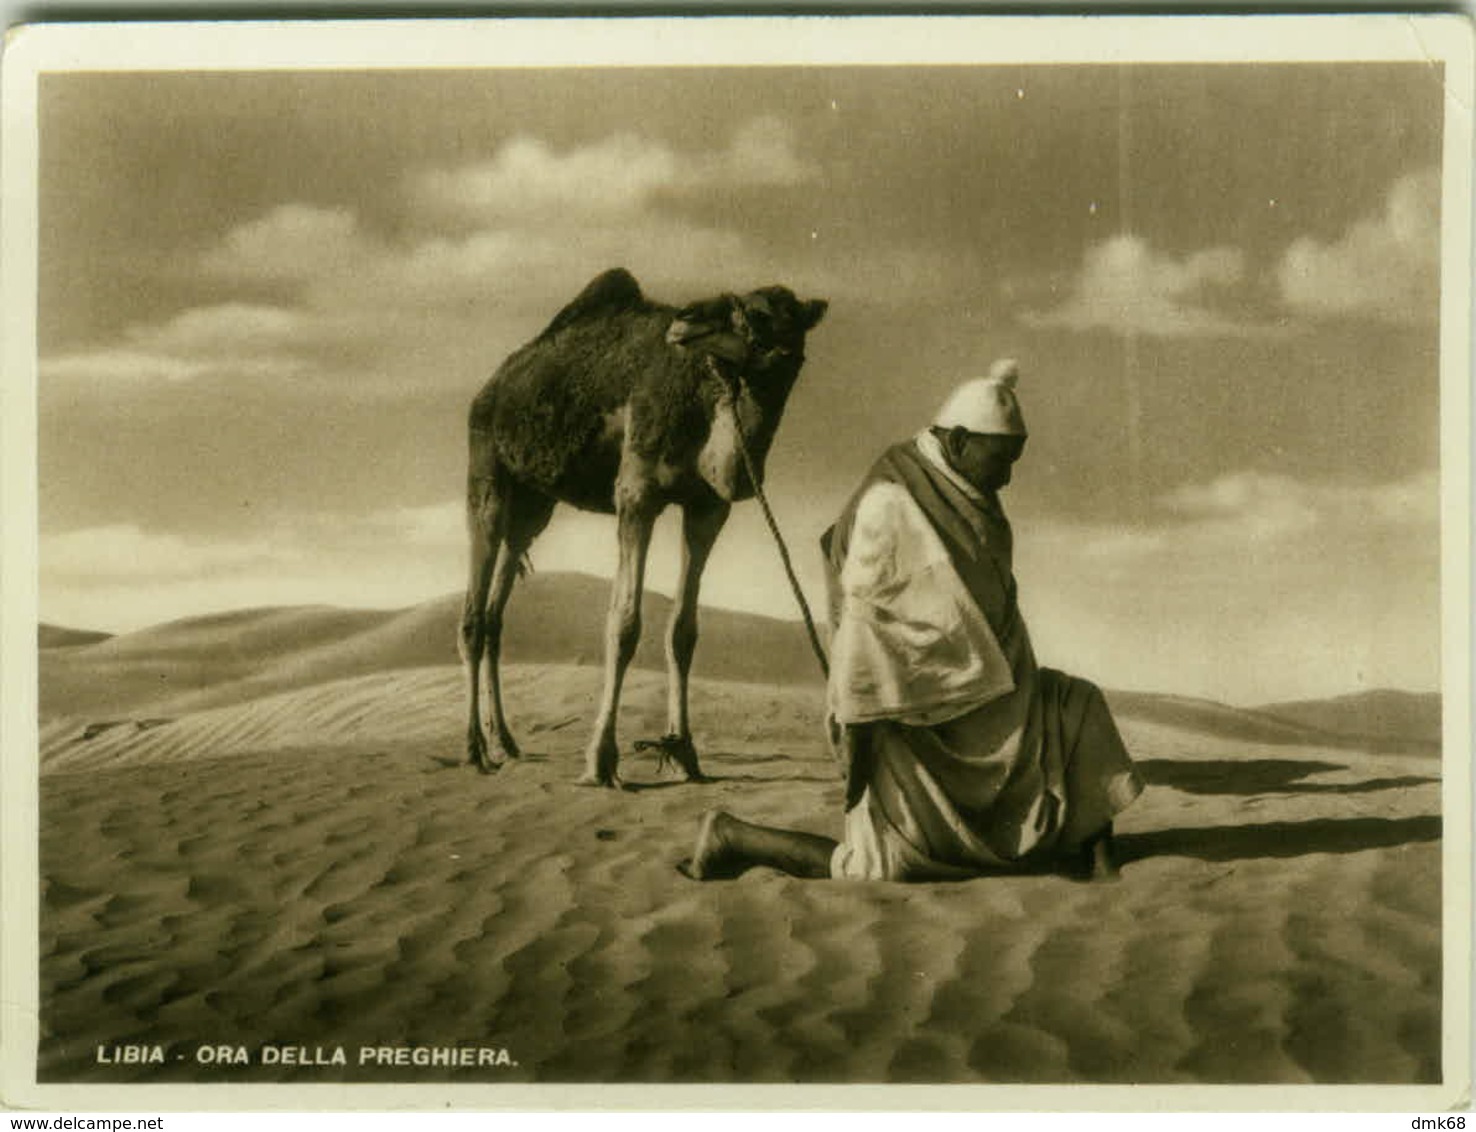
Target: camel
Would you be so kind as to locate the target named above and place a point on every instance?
(622, 406)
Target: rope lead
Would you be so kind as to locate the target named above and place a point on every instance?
(758, 490)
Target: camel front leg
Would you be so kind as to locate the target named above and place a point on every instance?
(701, 525)
(634, 520)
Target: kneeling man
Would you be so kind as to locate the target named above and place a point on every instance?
(962, 755)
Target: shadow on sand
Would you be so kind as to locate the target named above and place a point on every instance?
(1260, 776)
(1278, 839)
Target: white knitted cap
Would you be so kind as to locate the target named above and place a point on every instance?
(986, 404)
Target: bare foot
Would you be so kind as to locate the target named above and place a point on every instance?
(713, 855)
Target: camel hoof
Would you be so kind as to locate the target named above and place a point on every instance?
(490, 757)
(675, 750)
(610, 781)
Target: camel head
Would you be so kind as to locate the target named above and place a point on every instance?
(755, 331)
(759, 337)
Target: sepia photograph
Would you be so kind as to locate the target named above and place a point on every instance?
(738, 555)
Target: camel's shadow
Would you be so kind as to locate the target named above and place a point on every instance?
(710, 778)
(642, 785)
(460, 762)
(760, 759)
(1278, 839)
(1260, 776)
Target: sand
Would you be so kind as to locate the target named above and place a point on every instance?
(315, 867)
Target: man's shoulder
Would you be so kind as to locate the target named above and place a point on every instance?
(885, 502)
(887, 517)
(881, 497)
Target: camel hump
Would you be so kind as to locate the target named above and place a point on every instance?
(608, 293)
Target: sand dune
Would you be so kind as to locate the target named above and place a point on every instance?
(59, 636)
(1344, 722)
(1382, 717)
(206, 662)
(313, 865)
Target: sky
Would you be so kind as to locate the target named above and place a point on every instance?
(267, 299)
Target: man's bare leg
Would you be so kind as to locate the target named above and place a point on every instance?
(726, 846)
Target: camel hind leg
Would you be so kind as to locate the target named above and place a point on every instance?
(526, 514)
(486, 515)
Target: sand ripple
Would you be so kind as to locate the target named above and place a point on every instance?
(319, 868)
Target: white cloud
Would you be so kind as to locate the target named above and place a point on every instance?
(615, 177)
(207, 330)
(230, 339)
(745, 571)
(1127, 286)
(1258, 513)
(534, 225)
(1245, 494)
(502, 271)
(1250, 588)
(122, 577)
(125, 553)
(1386, 266)
(437, 525)
(119, 366)
(292, 242)
(528, 178)
(762, 152)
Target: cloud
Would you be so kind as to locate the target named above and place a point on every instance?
(618, 176)
(435, 525)
(526, 178)
(423, 301)
(125, 553)
(119, 366)
(501, 271)
(208, 330)
(762, 152)
(1240, 494)
(1385, 266)
(1248, 588)
(239, 340)
(124, 576)
(1126, 286)
(292, 242)
(745, 572)
(1253, 512)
